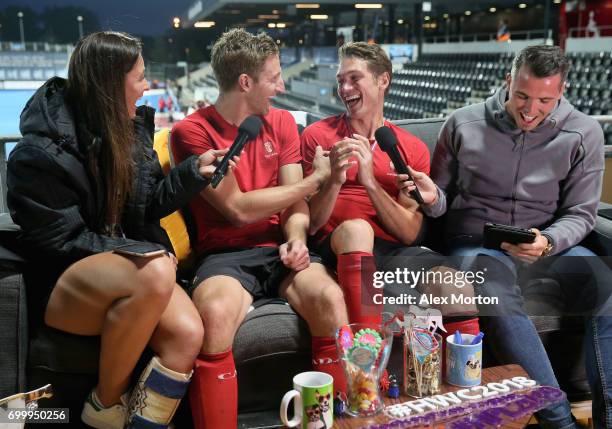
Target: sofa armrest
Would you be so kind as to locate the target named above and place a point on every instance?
(13, 332)
(600, 239)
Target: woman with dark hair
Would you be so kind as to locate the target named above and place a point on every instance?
(84, 180)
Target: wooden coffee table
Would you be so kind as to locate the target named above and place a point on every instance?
(488, 375)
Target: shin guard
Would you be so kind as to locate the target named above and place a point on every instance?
(156, 396)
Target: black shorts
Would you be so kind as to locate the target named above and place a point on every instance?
(387, 254)
(259, 269)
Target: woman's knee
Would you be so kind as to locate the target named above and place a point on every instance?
(156, 279)
(353, 235)
(188, 334)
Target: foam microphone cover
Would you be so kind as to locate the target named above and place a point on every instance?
(250, 126)
(385, 138)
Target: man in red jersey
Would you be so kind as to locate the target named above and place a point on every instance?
(359, 219)
(252, 228)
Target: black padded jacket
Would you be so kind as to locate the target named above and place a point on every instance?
(57, 203)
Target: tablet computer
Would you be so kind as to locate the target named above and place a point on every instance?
(495, 234)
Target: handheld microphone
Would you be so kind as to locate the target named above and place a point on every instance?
(248, 130)
(388, 142)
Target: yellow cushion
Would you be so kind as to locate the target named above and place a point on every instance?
(174, 224)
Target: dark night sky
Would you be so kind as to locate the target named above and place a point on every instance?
(144, 17)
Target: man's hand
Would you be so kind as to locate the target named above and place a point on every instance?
(294, 255)
(339, 160)
(206, 166)
(426, 186)
(363, 150)
(320, 165)
(528, 252)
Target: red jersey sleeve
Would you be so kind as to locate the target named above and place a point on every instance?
(290, 140)
(309, 147)
(189, 138)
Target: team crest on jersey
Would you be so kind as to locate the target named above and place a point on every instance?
(269, 147)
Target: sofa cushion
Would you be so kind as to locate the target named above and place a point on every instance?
(426, 130)
(60, 351)
(271, 346)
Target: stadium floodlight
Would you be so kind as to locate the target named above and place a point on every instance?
(468, 12)
(307, 6)
(176, 22)
(204, 24)
(319, 16)
(80, 23)
(21, 32)
(426, 6)
(492, 9)
(368, 6)
(400, 21)
(522, 6)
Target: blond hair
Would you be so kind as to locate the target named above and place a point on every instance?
(237, 52)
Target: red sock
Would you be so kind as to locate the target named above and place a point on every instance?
(352, 270)
(469, 326)
(213, 394)
(325, 359)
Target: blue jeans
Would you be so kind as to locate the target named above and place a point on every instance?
(514, 337)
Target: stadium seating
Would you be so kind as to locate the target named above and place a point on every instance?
(589, 83)
(437, 84)
(24, 66)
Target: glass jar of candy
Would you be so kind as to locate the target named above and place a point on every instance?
(364, 350)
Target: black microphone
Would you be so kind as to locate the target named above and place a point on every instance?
(388, 142)
(248, 130)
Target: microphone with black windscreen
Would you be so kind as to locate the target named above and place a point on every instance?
(388, 142)
(248, 130)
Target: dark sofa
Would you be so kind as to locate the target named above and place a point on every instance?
(271, 346)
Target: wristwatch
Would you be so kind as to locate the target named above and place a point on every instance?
(549, 247)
